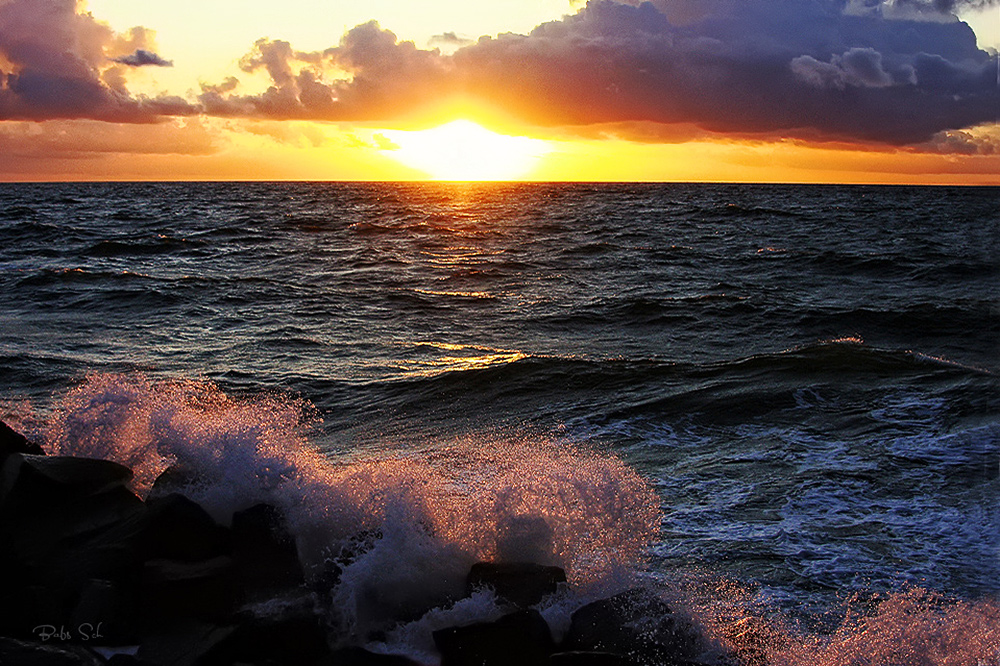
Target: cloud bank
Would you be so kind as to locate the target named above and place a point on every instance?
(896, 72)
(56, 62)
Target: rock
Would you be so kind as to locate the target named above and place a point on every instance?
(581, 658)
(521, 583)
(173, 590)
(31, 480)
(358, 656)
(181, 643)
(293, 641)
(518, 639)
(637, 625)
(175, 479)
(30, 653)
(63, 523)
(264, 553)
(12, 441)
(179, 529)
(106, 613)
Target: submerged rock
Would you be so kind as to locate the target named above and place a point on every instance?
(518, 639)
(521, 583)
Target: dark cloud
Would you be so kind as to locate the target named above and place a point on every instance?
(896, 72)
(56, 59)
(143, 58)
(821, 69)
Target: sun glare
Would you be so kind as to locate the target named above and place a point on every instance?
(462, 150)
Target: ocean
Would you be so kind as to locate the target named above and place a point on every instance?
(776, 404)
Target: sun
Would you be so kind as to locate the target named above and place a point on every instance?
(463, 150)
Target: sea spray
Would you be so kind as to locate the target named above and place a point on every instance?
(402, 529)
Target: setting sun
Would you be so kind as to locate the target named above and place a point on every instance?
(462, 150)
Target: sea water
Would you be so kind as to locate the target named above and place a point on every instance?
(776, 405)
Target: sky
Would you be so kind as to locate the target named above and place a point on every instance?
(880, 91)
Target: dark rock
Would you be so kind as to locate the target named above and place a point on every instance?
(521, 583)
(179, 529)
(63, 523)
(580, 658)
(30, 480)
(30, 653)
(358, 656)
(177, 478)
(106, 613)
(264, 553)
(635, 624)
(173, 589)
(12, 441)
(181, 643)
(518, 639)
(293, 641)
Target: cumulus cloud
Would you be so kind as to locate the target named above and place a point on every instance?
(898, 72)
(55, 61)
(143, 58)
(790, 68)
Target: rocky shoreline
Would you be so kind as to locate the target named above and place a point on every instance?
(91, 574)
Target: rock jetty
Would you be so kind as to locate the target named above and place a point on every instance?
(90, 574)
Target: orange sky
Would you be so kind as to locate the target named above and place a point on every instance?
(706, 90)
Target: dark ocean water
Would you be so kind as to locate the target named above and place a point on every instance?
(806, 376)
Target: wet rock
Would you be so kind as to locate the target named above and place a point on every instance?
(173, 589)
(39, 481)
(518, 639)
(358, 656)
(106, 613)
(64, 522)
(176, 479)
(12, 441)
(30, 653)
(521, 583)
(637, 625)
(292, 641)
(181, 643)
(179, 529)
(264, 553)
(581, 658)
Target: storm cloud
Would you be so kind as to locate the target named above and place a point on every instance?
(896, 72)
(813, 69)
(56, 62)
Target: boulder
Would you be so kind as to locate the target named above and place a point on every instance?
(637, 625)
(291, 641)
(12, 441)
(183, 643)
(581, 658)
(64, 522)
(179, 529)
(358, 656)
(176, 590)
(264, 553)
(518, 639)
(521, 583)
(52, 653)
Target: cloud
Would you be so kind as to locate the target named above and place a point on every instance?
(57, 61)
(820, 69)
(896, 72)
(142, 58)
